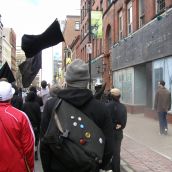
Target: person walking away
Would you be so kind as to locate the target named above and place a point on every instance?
(99, 91)
(32, 109)
(54, 90)
(44, 93)
(17, 138)
(77, 94)
(17, 100)
(162, 105)
(119, 118)
(38, 98)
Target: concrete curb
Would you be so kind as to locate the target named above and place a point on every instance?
(126, 167)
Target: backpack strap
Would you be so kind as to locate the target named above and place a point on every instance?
(56, 105)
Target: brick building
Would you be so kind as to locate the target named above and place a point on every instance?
(70, 48)
(13, 50)
(70, 33)
(135, 51)
(9, 48)
(137, 41)
(97, 61)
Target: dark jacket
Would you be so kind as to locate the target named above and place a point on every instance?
(39, 100)
(32, 109)
(162, 100)
(83, 100)
(17, 100)
(118, 114)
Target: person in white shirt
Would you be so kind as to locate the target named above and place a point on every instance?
(44, 93)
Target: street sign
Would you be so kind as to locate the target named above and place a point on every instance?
(89, 48)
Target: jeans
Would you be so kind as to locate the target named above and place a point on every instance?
(162, 122)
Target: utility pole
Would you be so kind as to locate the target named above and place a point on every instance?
(65, 56)
(89, 40)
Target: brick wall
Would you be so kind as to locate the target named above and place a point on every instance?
(110, 19)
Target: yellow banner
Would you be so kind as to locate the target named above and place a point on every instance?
(96, 23)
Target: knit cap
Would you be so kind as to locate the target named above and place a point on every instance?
(77, 74)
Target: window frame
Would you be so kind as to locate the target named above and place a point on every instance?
(120, 25)
(77, 25)
(129, 18)
(160, 6)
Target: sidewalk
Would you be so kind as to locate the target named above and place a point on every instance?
(143, 149)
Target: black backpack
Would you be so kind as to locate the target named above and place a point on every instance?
(77, 142)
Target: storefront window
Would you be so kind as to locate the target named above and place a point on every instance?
(162, 70)
(123, 80)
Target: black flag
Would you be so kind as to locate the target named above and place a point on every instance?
(5, 72)
(30, 68)
(33, 44)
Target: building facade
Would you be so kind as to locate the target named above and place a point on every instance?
(98, 65)
(140, 37)
(135, 50)
(20, 57)
(10, 38)
(6, 49)
(70, 48)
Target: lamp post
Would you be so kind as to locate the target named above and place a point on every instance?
(65, 54)
(89, 40)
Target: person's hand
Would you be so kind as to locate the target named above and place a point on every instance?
(118, 126)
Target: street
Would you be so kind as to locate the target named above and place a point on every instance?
(38, 166)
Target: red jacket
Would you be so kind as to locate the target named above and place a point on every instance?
(16, 140)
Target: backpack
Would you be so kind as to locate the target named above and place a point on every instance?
(76, 141)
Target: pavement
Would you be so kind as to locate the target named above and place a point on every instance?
(143, 148)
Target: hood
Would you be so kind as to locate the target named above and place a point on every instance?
(77, 97)
(30, 96)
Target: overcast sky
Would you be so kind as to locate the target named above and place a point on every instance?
(34, 17)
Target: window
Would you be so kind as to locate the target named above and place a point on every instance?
(82, 13)
(83, 30)
(120, 25)
(129, 18)
(109, 2)
(160, 5)
(85, 10)
(124, 80)
(77, 25)
(109, 39)
(141, 13)
(101, 5)
(81, 34)
(86, 28)
(161, 70)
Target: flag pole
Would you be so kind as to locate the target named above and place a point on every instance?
(89, 40)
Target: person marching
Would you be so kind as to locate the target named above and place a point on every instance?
(119, 118)
(17, 137)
